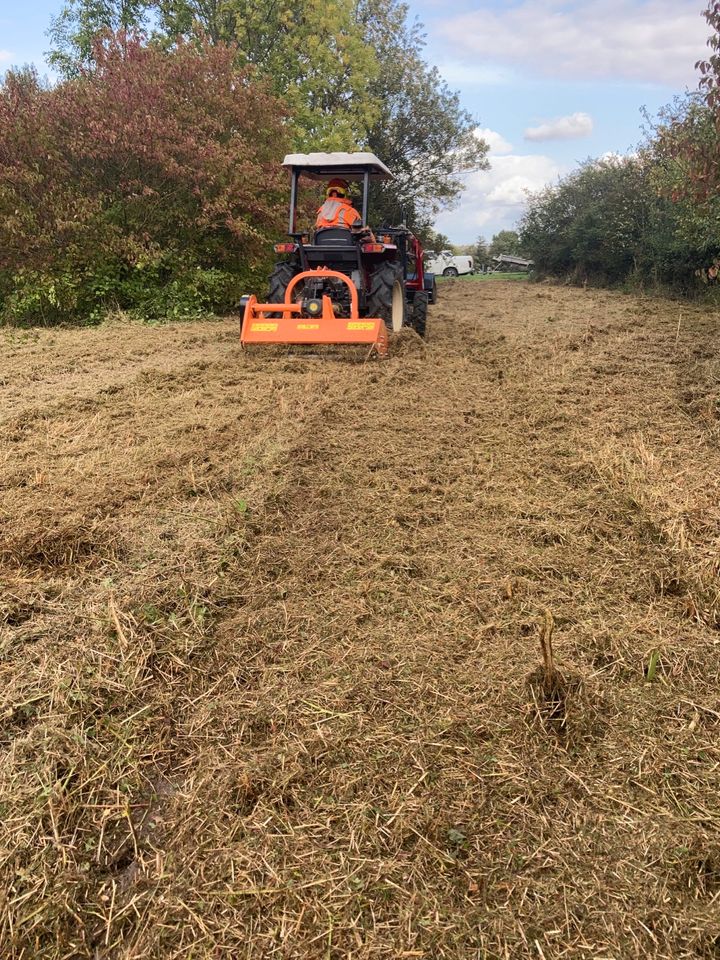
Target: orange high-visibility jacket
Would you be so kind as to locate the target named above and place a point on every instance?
(337, 212)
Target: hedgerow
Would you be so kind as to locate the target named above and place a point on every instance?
(149, 183)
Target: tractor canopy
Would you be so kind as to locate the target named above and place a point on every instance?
(324, 166)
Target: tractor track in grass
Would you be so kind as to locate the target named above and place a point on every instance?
(267, 622)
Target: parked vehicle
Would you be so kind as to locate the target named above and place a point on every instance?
(506, 262)
(448, 264)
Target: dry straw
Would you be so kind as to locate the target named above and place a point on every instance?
(267, 623)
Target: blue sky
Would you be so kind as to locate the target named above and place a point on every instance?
(551, 82)
(22, 31)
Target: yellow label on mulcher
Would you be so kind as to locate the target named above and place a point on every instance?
(360, 325)
(308, 326)
(263, 327)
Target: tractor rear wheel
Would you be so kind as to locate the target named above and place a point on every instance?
(419, 314)
(281, 276)
(387, 296)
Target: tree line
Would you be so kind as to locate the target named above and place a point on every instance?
(647, 219)
(147, 177)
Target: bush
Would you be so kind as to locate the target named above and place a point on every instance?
(150, 183)
(610, 223)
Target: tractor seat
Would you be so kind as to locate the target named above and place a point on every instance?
(331, 236)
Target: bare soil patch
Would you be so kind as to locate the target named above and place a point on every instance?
(270, 678)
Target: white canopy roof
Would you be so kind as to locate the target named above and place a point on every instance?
(351, 166)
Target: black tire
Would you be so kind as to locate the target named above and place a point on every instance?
(419, 314)
(241, 305)
(387, 296)
(281, 276)
(434, 292)
(450, 272)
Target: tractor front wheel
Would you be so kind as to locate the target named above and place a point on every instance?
(387, 296)
(419, 315)
(281, 276)
(433, 292)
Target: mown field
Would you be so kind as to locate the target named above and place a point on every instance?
(269, 639)
(485, 277)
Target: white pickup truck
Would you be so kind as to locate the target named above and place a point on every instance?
(447, 264)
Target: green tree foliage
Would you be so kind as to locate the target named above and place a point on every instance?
(688, 133)
(434, 241)
(149, 183)
(609, 223)
(589, 226)
(505, 241)
(75, 32)
(313, 54)
(421, 132)
(649, 219)
(350, 73)
(480, 251)
(683, 152)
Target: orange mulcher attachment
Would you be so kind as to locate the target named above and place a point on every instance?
(312, 321)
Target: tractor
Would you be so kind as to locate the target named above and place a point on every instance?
(346, 285)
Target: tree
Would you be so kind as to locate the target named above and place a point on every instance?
(434, 241)
(421, 132)
(686, 138)
(312, 54)
(686, 234)
(607, 222)
(350, 73)
(590, 225)
(505, 241)
(481, 251)
(74, 32)
(149, 182)
(688, 134)
(710, 68)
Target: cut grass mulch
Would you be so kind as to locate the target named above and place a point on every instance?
(271, 682)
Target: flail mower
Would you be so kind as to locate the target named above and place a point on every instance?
(347, 285)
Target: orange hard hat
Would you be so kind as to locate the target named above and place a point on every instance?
(340, 187)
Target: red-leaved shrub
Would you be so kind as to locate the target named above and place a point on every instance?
(151, 183)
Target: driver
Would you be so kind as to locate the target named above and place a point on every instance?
(338, 211)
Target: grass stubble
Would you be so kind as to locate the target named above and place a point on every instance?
(269, 623)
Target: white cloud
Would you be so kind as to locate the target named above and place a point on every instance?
(574, 127)
(646, 41)
(612, 156)
(497, 143)
(495, 199)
